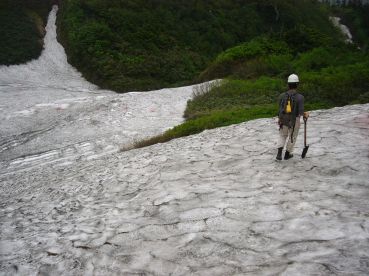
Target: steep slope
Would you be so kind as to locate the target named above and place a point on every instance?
(50, 114)
(212, 204)
(149, 44)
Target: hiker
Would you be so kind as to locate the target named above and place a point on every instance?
(291, 108)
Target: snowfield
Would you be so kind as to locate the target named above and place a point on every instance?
(50, 114)
(216, 203)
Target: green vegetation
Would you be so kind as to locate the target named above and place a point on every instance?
(253, 45)
(22, 29)
(212, 120)
(147, 44)
(330, 76)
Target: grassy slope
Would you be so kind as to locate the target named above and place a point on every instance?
(147, 44)
(21, 29)
(331, 72)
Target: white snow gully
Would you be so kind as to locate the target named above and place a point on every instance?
(50, 114)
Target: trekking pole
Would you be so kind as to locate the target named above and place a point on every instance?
(306, 147)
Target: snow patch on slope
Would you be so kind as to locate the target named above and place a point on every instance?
(344, 29)
(50, 70)
(50, 114)
(216, 203)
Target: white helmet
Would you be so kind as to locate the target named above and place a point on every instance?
(293, 78)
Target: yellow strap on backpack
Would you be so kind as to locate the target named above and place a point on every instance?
(288, 106)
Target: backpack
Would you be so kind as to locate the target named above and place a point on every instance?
(287, 110)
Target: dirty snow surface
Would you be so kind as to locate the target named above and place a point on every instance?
(216, 203)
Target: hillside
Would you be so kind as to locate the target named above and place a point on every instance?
(147, 44)
(150, 44)
(48, 112)
(254, 45)
(332, 73)
(216, 203)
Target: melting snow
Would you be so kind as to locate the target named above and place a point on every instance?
(216, 203)
(344, 29)
(49, 107)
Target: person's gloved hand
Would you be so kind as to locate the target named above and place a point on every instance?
(306, 115)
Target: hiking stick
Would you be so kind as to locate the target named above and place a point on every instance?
(306, 147)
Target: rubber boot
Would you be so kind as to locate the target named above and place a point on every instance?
(279, 155)
(288, 155)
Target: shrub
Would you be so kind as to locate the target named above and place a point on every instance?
(252, 59)
(176, 40)
(235, 93)
(337, 85)
(257, 47)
